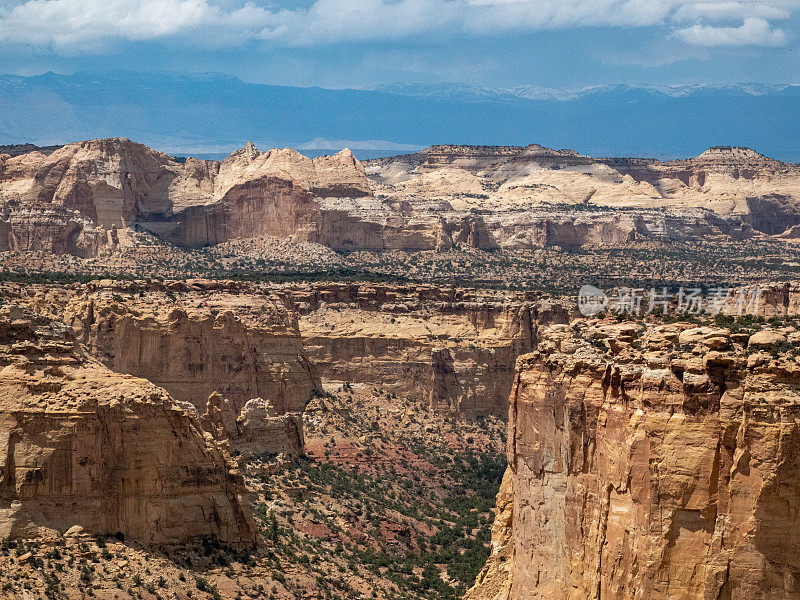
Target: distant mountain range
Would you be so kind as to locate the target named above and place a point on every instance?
(466, 93)
(207, 114)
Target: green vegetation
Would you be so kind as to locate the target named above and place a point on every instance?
(428, 535)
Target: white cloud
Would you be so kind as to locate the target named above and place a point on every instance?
(753, 32)
(78, 25)
(774, 9)
(336, 20)
(68, 22)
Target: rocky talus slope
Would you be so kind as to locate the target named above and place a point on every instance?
(657, 462)
(450, 349)
(84, 446)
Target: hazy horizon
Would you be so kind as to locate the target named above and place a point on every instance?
(213, 114)
(603, 77)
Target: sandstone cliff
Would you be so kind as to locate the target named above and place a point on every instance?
(773, 300)
(256, 429)
(200, 338)
(115, 183)
(534, 196)
(84, 198)
(448, 348)
(650, 463)
(84, 446)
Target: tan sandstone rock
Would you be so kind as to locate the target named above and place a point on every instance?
(635, 481)
(85, 449)
(196, 338)
(766, 339)
(448, 348)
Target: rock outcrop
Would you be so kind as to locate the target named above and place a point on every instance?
(200, 338)
(79, 198)
(374, 224)
(115, 183)
(534, 196)
(451, 349)
(43, 227)
(256, 429)
(657, 462)
(82, 445)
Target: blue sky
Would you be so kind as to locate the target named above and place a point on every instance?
(363, 43)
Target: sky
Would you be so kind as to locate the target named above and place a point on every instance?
(565, 44)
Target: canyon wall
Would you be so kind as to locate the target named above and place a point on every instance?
(449, 348)
(221, 345)
(77, 199)
(115, 184)
(651, 463)
(534, 197)
(774, 300)
(81, 445)
(197, 339)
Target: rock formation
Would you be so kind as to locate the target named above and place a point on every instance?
(258, 428)
(533, 196)
(82, 445)
(657, 462)
(449, 348)
(85, 198)
(199, 338)
(259, 421)
(115, 183)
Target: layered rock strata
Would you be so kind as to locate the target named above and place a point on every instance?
(116, 184)
(657, 462)
(534, 196)
(200, 338)
(82, 445)
(256, 429)
(78, 198)
(445, 347)
(86, 198)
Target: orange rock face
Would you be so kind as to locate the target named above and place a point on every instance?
(81, 445)
(197, 339)
(655, 463)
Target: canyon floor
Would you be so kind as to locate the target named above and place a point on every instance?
(389, 501)
(554, 270)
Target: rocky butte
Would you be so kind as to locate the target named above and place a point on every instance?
(654, 461)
